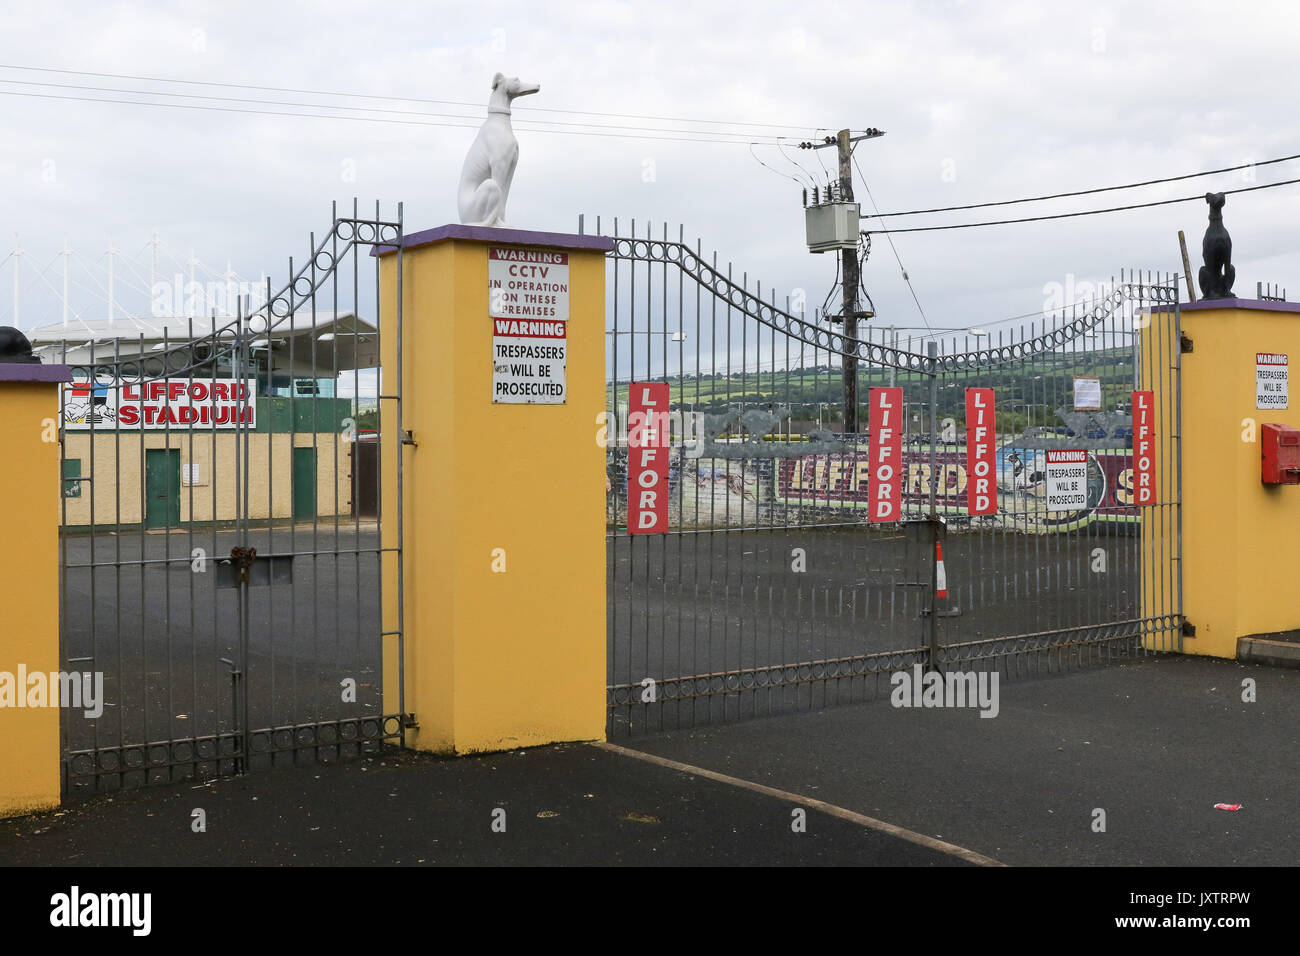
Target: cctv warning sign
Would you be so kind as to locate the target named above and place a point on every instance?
(528, 284)
(528, 305)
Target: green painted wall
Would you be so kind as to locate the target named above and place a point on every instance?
(280, 415)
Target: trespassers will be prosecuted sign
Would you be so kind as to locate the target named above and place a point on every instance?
(1271, 370)
(162, 404)
(1066, 479)
(528, 304)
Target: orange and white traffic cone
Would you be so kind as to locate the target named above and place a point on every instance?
(940, 575)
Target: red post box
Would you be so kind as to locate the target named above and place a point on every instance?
(1280, 456)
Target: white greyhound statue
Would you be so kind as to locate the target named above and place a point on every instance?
(490, 164)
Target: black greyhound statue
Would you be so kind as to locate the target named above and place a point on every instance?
(1217, 274)
(14, 348)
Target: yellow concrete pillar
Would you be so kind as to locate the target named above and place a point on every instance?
(1239, 536)
(29, 581)
(503, 504)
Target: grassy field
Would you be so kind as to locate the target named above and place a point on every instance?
(1027, 393)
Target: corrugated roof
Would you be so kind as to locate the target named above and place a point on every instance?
(177, 328)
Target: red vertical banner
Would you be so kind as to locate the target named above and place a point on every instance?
(647, 458)
(885, 449)
(981, 469)
(1144, 448)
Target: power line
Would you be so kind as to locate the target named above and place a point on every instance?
(890, 239)
(773, 168)
(355, 109)
(799, 166)
(405, 99)
(1088, 192)
(362, 119)
(1089, 212)
(817, 155)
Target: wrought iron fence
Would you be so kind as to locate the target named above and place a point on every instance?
(219, 568)
(773, 591)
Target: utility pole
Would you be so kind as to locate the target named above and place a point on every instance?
(844, 142)
(849, 267)
(1187, 267)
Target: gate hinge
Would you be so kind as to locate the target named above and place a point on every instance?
(1189, 629)
(408, 437)
(1185, 344)
(409, 722)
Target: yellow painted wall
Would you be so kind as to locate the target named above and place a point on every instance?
(118, 463)
(29, 570)
(496, 660)
(1240, 562)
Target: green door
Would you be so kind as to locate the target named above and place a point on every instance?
(304, 484)
(162, 487)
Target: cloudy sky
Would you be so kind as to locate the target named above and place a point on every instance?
(980, 101)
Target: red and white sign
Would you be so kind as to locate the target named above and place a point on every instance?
(885, 447)
(161, 404)
(528, 284)
(647, 458)
(1067, 479)
(528, 361)
(1271, 370)
(1144, 448)
(981, 465)
(528, 303)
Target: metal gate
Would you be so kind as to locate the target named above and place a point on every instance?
(772, 591)
(219, 572)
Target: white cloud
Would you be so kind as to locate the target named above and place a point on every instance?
(1014, 99)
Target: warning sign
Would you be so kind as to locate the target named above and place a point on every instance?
(528, 362)
(528, 284)
(1067, 479)
(528, 304)
(1270, 380)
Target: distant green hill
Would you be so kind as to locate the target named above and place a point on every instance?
(1027, 393)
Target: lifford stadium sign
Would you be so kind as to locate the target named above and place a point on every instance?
(160, 404)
